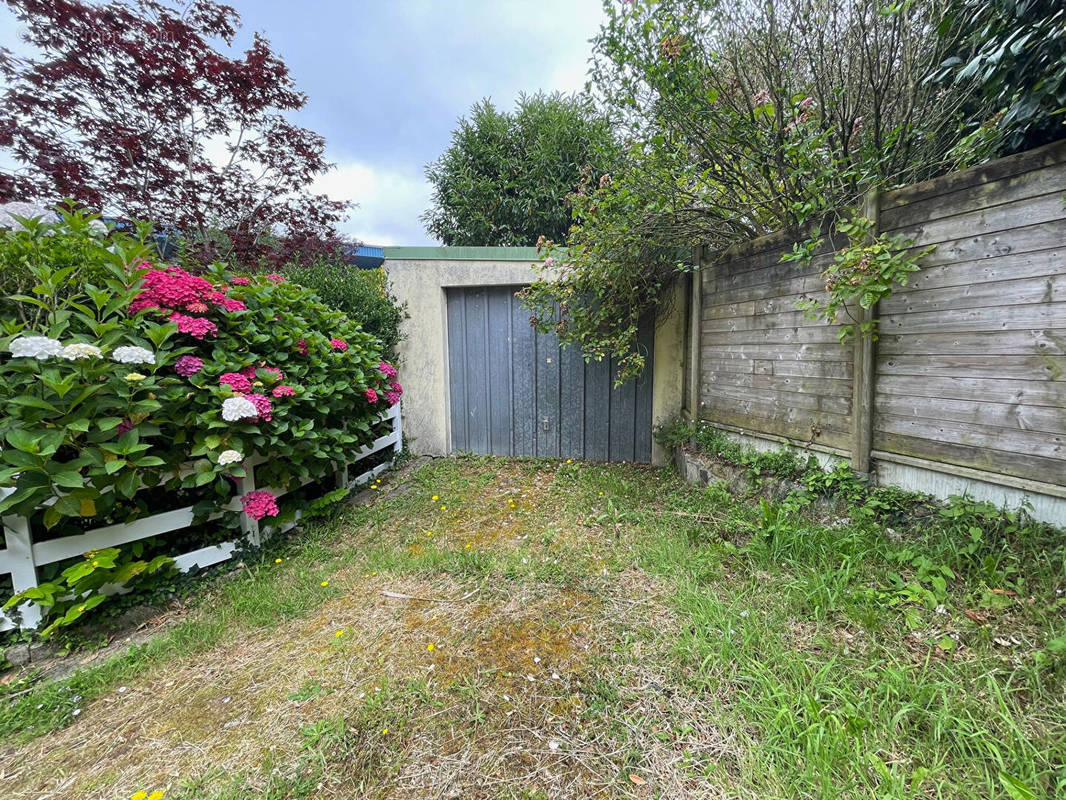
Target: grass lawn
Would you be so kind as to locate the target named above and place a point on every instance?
(516, 629)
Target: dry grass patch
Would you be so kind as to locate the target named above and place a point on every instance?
(442, 674)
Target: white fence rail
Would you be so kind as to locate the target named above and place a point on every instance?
(22, 556)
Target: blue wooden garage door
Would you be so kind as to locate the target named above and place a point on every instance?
(514, 392)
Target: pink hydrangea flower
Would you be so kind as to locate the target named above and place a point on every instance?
(283, 391)
(241, 282)
(230, 304)
(249, 372)
(273, 276)
(392, 398)
(197, 327)
(197, 308)
(259, 504)
(187, 366)
(236, 381)
(371, 396)
(262, 405)
(386, 369)
(396, 387)
(275, 373)
(171, 288)
(338, 344)
(301, 347)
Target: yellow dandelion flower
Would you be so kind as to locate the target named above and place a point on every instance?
(338, 633)
(431, 647)
(277, 560)
(367, 575)
(435, 497)
(140, 796)
(601, 494)
(569, 461)
(429, 533)
(444, 508)
(325, 583)
(468, 546)
(157, 795)
(385, 731)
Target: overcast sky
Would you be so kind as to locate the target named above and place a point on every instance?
(387, 81)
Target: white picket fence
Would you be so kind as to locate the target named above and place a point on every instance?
(22, 556)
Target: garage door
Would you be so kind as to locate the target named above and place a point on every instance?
(514, 392)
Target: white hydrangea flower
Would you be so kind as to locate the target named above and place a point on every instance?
(79, 350)
(229, 457)
(39, 347)
(238, 408)
(8, 212)
(133, 355)
(132, 377)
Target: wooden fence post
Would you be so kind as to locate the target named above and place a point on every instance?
(249, 526)
(22, 565)
(862, 399)
(397, 427)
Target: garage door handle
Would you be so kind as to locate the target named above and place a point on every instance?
(546, 424)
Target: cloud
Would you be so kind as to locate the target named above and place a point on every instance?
(406, 114)
(390, 201)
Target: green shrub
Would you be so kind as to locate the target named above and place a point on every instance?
(672, 435)
(783, 463)
(74, 245)
(362, 294)
(111, 387)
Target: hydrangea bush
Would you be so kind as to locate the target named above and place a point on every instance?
(154, 377)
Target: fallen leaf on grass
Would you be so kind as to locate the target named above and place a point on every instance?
(976, 616)
(637, 780)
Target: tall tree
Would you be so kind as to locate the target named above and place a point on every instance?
(507, 177)
(129, 107)
(744, 117)
(1016, 50)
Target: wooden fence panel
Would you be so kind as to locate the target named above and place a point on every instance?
(766, 367)
(969, 371)
(970, 368)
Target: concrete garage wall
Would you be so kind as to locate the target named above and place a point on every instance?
(420, 276)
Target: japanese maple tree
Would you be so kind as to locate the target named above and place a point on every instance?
(136, 108)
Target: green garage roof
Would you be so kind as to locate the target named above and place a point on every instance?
(463, 253)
